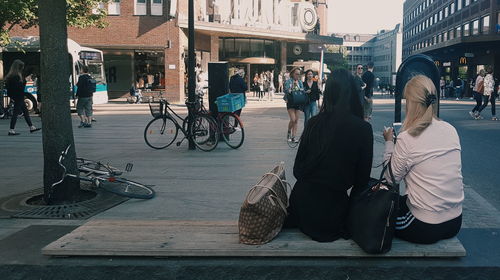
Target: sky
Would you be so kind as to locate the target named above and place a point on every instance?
(363, 16)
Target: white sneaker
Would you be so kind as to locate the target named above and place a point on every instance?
(457, 98)
(237, 129)
(472, 114)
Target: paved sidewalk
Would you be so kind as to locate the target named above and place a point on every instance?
(195, 185)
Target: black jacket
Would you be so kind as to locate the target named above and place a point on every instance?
(369, 80)
(319, 202)
(314, 94)
(237, 84)
(83, 85)
(15, 87)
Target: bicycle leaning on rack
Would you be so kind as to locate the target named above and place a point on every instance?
(162, 131)
(104, 176)
(231, 128)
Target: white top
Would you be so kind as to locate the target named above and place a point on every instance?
(489, 84)
(431, 167)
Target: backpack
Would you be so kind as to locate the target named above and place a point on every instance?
(91, 85)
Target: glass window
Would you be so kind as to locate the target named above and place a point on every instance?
(451, 34)
(452, 8)
(156, 7)
(467, 2)
(257, 47)
(96, 10)
(475, 27)
(458, 32)
(446, 12)
(242, 47)
(459, 5)
(114, 8)
(140, 7)
(485, 25)
(466, 30)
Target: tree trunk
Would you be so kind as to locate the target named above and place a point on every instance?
(56, 119)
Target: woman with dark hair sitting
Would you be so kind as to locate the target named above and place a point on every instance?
(335, 154)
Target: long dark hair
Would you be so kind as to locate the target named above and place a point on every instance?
(340, 101)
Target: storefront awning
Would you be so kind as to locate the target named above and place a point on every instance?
(213, 28)
(253, 60)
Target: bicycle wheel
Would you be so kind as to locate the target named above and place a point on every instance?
(204, 132)
(160, 133)
(232, 130)
(96, 167)
(124, 187)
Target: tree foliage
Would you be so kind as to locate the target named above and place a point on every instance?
(24, 13)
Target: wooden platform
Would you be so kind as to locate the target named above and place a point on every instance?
(215, 239)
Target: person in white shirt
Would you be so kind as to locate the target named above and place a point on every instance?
(427, 156)
(489, 93)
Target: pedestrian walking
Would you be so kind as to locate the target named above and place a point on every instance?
(459, 88)
(260, 82)
(15, 84)
(488, 96)
(86, 88)
(477, 93)
(255, 84)
(293, 84)
(442, 87)
(369, 80)
(360, 85)
(280, 82)
(311, 88)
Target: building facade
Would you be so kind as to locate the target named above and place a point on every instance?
(384, 49)
(462, 36)
(146, 40)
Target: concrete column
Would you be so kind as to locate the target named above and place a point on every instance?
(214, 48)
(283, 56)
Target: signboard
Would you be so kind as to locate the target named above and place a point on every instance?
(446, 64)
(463, 60)
(171, 66)
(84, 55)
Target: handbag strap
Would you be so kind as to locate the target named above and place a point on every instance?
(284, 184)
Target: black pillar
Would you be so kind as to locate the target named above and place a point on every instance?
(191, 65)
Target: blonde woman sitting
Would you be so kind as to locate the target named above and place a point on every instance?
(427, 157)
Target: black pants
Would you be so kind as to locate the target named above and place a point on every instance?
(486, 99)
(413, 230)
(493, 105)
(19, 107)
(479, 100)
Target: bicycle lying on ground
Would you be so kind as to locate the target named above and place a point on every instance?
(162, 131)
(104, 176)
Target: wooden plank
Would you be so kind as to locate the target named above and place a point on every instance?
(159, 238)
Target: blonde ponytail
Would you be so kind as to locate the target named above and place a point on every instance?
(421, 107)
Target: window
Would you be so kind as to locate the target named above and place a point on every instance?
(96, 10)
(441, 15)
(451, 34)
(485, 25)
(467, 2)
(156, 7)
(475, 27)
(446, 12)
(466, 30)
(114, 8)
(459, 5)
(458, 32)
(140, 7)
(452, 8)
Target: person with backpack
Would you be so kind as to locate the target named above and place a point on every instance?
(86, 88)
(15, 84)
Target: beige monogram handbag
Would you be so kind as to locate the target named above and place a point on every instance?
(265, 208)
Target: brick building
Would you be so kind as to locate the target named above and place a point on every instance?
(146, 40)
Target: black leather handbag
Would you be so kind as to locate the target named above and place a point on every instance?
(372, 214)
